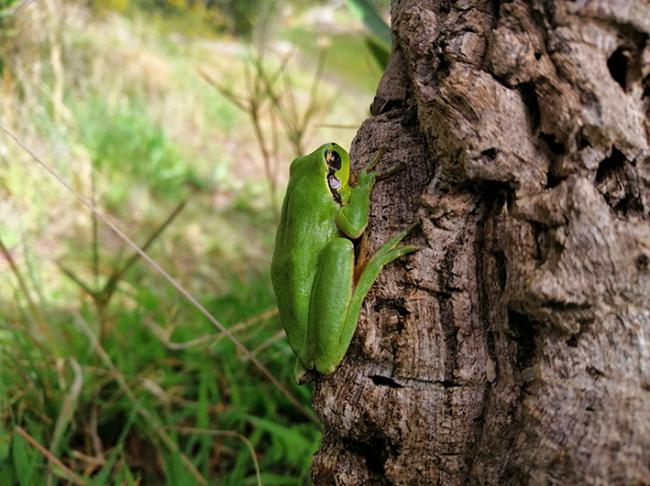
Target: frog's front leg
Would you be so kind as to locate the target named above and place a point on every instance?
(352, 218)
(328, 305)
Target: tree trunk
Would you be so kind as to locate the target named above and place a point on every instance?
(514, 347)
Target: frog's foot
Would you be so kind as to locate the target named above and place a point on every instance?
(375, 159)
(391, 250)
(300, 373)
(390, 171)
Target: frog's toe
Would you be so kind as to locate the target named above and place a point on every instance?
(326, 368)
(300, 373)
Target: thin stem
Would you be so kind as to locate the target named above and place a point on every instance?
(116, 276)
(153, 421)
(226, 433)
(70, 476)
(34, 309)
(95, 233)
(76, 279)
(171, 280)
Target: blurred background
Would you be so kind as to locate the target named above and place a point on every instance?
(178, 119)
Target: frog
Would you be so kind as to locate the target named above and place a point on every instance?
(318, 282)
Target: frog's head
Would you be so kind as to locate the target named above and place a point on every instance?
(337, 163)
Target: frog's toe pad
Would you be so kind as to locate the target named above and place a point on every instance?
(301, 374)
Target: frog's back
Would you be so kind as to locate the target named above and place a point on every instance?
(307, 224)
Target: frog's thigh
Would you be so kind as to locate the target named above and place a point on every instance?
(330, 297)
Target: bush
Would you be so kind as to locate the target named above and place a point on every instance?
(233, 16)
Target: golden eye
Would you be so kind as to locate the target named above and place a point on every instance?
(333, 159)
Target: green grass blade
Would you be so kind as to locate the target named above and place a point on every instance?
(103, 476)
(364, 11)
(378, 51)
(24, 459)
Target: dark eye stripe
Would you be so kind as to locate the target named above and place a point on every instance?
(333, 182)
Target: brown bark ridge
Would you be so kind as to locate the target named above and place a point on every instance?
(514, 347)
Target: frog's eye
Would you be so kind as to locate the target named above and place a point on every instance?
(333, 159)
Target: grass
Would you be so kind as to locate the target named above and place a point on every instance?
(205, 386)
(136, 386)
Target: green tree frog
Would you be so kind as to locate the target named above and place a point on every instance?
(319, 291)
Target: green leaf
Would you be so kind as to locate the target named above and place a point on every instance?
(5, 440)
(127, 477)
(272, 479)
(378, 51)
(364, 11)
(7, 474)
(290, 439)
(175, 471)
(103, 476)
(24, 460)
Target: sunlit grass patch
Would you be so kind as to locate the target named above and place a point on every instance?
(126, 145)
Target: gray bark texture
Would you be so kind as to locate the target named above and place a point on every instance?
(514, 347)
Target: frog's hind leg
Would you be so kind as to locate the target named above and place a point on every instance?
(386, 254)
(329, 301)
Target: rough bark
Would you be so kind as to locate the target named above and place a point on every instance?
(514, 347)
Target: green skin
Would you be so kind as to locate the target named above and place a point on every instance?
(313, 262)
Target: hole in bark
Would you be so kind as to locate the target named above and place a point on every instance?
(538, 55)
(497, 194)
(610, 165)
(615, 180)
(448, 384)
(497, 11)
(529, 97)
(502, 272)
(375, 452)
(629, 205)
(380, 380)
(582, 141)
(543, 240)
(641, 262)
(553, 180)
(556, 147)
(524, 334)
(490, 153)
(391, 304)
(572, 342)
(410, 115)
(617, 65)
